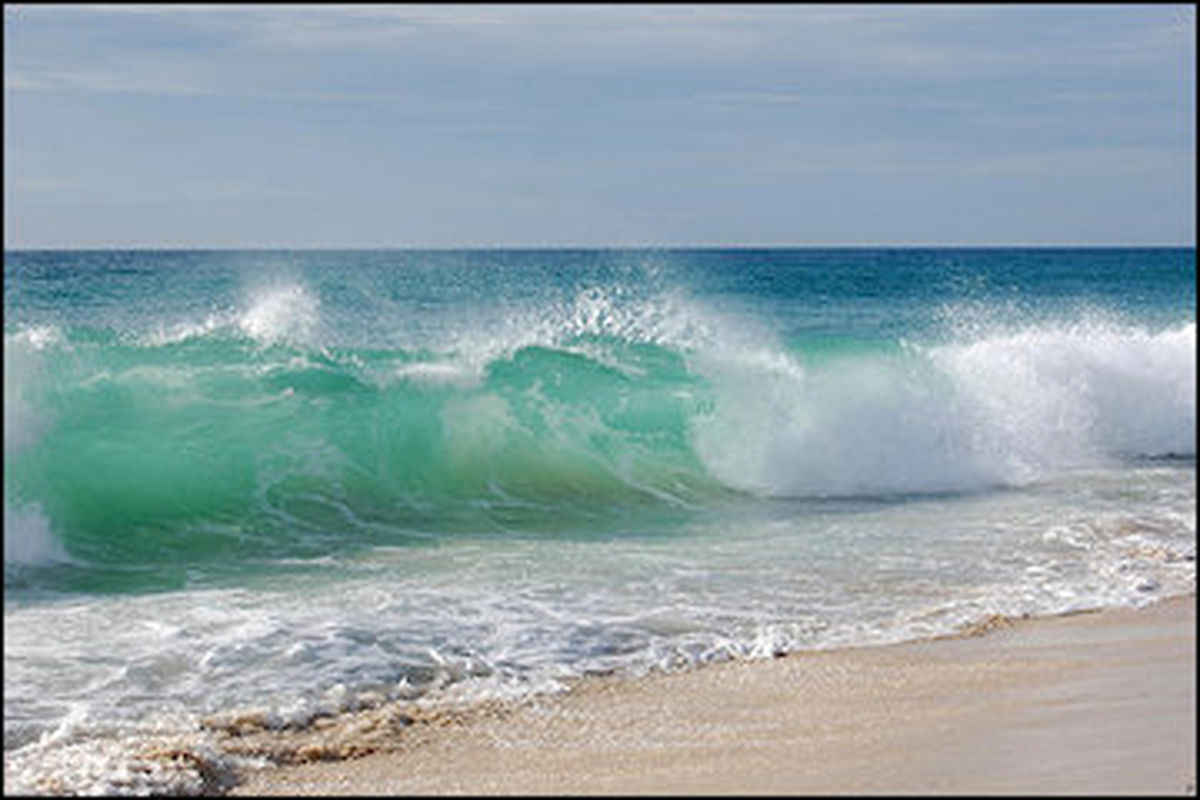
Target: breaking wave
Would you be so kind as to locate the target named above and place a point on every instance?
(243, 434)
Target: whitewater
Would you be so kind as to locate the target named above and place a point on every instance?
(292, 484)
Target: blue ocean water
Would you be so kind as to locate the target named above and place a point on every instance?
(287, 479)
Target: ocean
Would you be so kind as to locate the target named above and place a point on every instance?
(296, 483)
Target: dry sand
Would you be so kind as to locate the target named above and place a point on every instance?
(1089, 703)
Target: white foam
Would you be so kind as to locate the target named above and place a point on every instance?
(24, 351)
(1002, 409)
(281, 312)
(182, 331)
(28, 538)
(124, 766)
(851, 428)
(1059, 394)
(439, 374)
(621, 313)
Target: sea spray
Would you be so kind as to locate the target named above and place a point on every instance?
(1068, 392)
(280, 312)
(1002, 410)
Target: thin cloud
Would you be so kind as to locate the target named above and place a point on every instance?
(43, 185)
(877, 42)
(57, 80)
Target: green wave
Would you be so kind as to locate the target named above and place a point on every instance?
(217, 446)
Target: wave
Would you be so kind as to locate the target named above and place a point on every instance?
(244, 434)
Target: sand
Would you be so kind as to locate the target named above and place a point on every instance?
(1089, 703)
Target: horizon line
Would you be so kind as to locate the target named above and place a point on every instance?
(484, 247)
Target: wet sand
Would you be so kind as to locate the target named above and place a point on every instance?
(1099, 703)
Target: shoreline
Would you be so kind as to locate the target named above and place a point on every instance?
(1091, 702)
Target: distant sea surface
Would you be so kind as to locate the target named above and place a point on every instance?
(287, 480)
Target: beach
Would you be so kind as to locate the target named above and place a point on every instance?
(1101, 702)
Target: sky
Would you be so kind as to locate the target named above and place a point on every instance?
(246, 126)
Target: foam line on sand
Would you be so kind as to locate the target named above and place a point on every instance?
(1099, 702)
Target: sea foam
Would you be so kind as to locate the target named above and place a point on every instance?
(1000, 410)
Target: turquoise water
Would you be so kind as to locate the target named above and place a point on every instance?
(305, 475)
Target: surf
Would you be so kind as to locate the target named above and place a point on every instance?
(247, 438)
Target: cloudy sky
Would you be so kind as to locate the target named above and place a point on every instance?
(591, 125)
